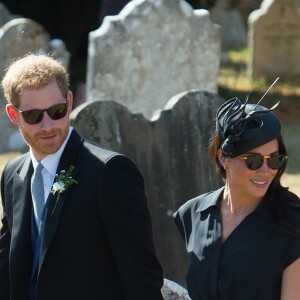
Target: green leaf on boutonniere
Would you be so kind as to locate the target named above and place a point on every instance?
(63, 181)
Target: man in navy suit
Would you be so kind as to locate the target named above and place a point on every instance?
(93, 239)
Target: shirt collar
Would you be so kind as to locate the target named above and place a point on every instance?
(50, 162)
(213, 199)
(210, 199)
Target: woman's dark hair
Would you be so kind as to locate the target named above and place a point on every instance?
(214, 147)
(282, 202)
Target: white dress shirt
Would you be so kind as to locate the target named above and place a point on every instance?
(50, 163)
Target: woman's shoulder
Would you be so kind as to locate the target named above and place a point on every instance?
(289, 199)
(188, 213)
(285, 209)
(200, 203)
(292, 202)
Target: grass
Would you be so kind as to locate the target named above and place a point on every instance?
(235, 82)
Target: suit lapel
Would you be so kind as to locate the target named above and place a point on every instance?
(22, 203)
(54, 210)
(21, 250)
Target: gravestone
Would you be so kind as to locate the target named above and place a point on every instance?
(244, 7)
(110, 8)
(17, 38)
(151, 51)
(173, 291)
(59, 51)
(274, 40)
(233, 29)
(171, 152)
(5, 15)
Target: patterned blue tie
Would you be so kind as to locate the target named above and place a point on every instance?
(37, 190)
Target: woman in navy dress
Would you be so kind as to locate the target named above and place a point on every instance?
(243, 240)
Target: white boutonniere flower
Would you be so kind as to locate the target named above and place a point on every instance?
(58, 187)
(63, 181)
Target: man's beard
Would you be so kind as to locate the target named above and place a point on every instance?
(44, 148)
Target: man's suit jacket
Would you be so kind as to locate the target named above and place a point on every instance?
(97, 243)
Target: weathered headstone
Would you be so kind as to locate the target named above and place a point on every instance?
(244, 7)
(59, 51)
(111, 8)
(170, 150)
(151, 51)
(173, 291)
(5, 15)
(17, 38)
(233, 29)
(274, 40)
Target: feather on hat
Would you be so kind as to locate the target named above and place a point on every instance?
(242, 126)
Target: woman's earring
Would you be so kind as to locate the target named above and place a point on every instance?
(221, 163)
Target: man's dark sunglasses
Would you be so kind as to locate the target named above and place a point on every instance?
(255, 161)
(35, 116)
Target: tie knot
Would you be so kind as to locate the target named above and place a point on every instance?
(39, 168)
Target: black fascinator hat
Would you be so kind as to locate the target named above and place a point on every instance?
(242, 126)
